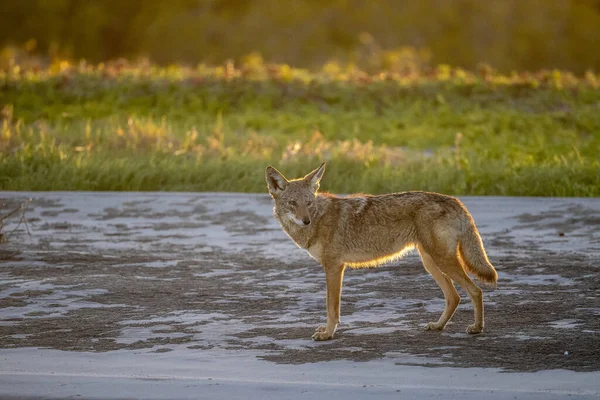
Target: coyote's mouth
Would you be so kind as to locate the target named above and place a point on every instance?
(298, 221)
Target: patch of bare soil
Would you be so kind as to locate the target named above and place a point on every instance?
(564, 220)
(545, 313)
(520, 334)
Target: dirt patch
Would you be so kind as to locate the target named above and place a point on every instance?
(73, 292)
(563, 220)
(55, 213)
(194, 301)
(244, 222)
(146, 211)
(12, 302)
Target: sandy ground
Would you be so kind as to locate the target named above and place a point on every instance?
(153, 295)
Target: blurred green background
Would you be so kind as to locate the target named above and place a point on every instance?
(465, 97)
(506, 34)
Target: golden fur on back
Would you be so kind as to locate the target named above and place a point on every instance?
(363, 230)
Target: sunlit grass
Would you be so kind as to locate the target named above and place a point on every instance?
(140, 127)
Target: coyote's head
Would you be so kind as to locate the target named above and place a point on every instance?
(294, 199)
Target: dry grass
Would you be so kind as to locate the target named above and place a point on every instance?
(120, 126)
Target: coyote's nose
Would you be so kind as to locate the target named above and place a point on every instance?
(306, 221)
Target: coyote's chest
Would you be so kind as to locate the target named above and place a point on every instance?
(311, 243)
(315, 250)
(299, 236)
(304, 237)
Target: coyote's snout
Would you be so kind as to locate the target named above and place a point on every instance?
(364, 230)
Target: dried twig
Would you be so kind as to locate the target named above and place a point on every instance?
(22, 208)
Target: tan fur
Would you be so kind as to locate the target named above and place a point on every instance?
(365, 231)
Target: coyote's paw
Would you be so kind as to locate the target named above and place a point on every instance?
(434, 326)
(321, 329)
(321, 333)
(318, 336)
(475, 328)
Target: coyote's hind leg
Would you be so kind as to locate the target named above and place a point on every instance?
(450, 294)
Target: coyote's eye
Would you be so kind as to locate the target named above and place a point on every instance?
(310, 203)
(293, 203)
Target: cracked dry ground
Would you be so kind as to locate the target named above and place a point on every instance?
(71, 299)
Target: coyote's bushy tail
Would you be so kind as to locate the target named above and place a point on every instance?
(473, 256)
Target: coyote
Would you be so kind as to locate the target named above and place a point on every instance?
(364, 230)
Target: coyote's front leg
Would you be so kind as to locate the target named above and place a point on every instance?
(334, 274)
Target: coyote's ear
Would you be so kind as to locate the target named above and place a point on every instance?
(314, 177)
(276, 182)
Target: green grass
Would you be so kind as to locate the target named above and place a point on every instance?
(116, 127)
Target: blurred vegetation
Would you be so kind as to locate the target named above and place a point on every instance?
(397, 95)
(373, 35)
(122, 126)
